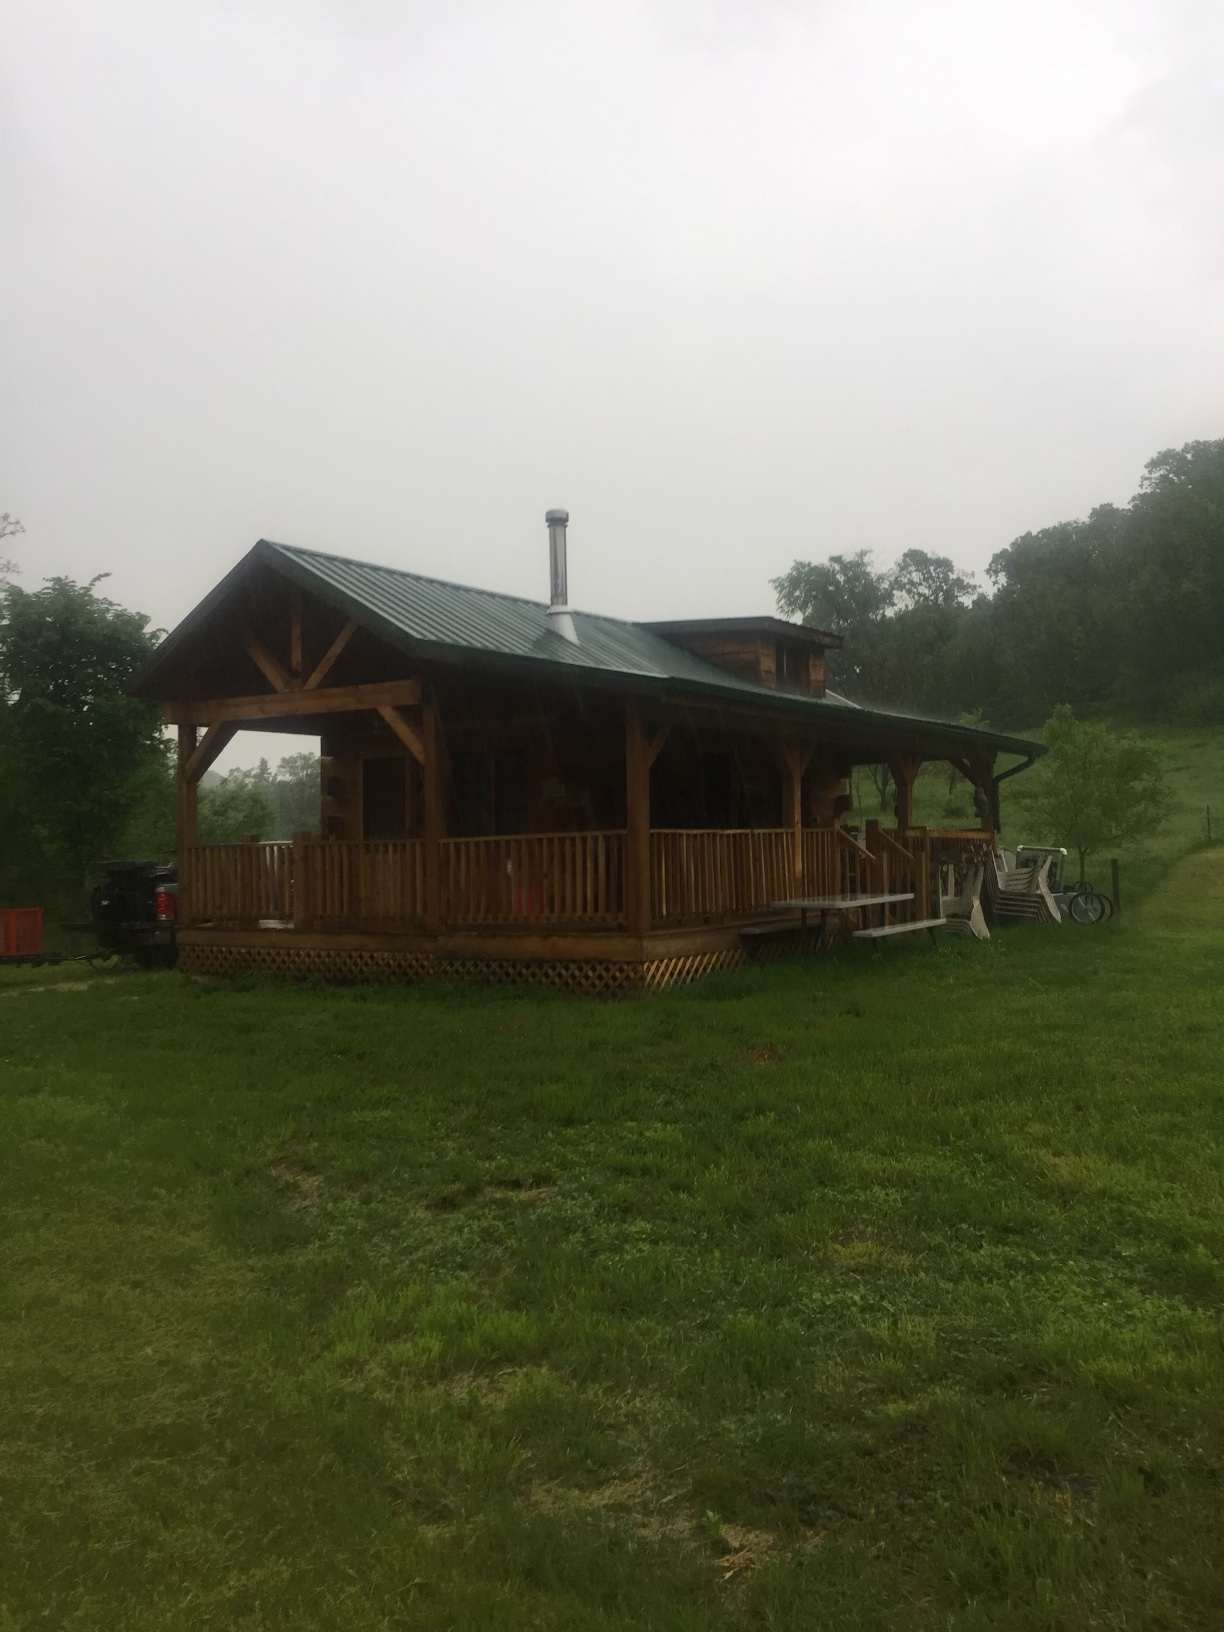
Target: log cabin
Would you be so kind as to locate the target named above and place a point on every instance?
(519, 791)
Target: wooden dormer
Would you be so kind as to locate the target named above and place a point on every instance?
(784, 656)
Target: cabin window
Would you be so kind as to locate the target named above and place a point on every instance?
(793, 666)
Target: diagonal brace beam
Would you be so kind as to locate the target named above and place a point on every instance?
(323, 667)
(213, 743)
(268, 666)
(411, 740)
(656, 744)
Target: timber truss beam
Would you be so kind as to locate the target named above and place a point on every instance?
(282, 705)
(295, 677)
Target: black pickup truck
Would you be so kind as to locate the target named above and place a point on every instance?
(135, 909)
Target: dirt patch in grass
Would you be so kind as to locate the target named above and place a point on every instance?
(304, 1187)
(636, 1499)
(744, 1549)
(767, 1054)
(524, 1191)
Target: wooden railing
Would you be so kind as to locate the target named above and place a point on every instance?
(900, 864)
(706, 875)
(697, 876)
(237, 883)
(822, 862)
(535, 878)
(373, 883)
(854, 863)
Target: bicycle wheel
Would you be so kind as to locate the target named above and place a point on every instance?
(1087, 907)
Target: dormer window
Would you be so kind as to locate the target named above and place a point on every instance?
(792, 665)
(783, 656)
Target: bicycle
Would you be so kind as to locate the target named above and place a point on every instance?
(1087, 905)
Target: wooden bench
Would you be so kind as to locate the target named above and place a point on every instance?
(777, 937)
(882, 931)
(775, 926)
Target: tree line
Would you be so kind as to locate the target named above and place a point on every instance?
(1118, 613)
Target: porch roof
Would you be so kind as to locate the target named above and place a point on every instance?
(434, 619)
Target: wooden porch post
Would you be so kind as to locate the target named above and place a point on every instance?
(982, 767)
(433, 815)
(794, 763)
(637, 822)
(187, 830)
(905, 768)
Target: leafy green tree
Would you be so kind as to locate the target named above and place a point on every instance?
(9, 528)
(1095, 788)
(72, 741)
(254, 800)
(920, 579)
(898, 623)
(239, 806)
(148, 830)
(1055, 613)
(1172, 573)
(297, 794)
(846, 596)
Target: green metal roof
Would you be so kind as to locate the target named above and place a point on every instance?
(433, 618)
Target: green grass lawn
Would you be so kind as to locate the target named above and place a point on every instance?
(845, 1293)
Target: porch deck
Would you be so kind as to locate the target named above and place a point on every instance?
(527, 906)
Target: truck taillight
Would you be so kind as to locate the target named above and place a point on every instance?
(165, 906)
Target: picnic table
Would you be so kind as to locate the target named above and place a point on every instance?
(826, 904)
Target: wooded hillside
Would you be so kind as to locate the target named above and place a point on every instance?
(1119, 611)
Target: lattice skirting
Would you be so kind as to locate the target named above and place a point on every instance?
(592, 977)
(305, 963)
(664, 973)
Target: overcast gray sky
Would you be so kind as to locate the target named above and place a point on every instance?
(734, 280)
